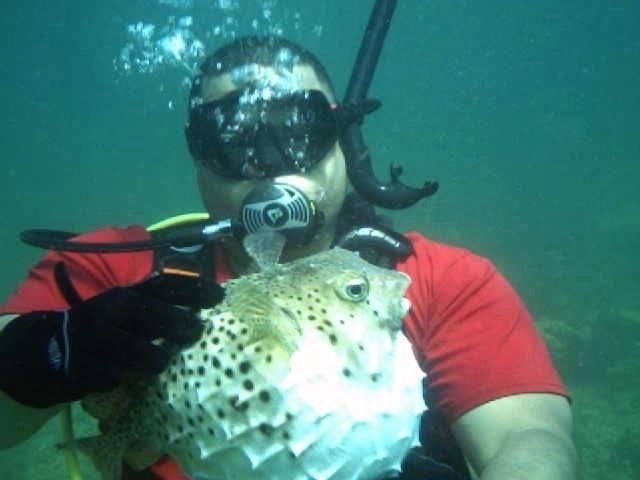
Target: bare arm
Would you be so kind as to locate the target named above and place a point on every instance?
(527, 436)
(19, 422)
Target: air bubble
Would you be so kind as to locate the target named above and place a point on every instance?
(180, 42)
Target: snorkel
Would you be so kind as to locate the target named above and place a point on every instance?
(393, 195)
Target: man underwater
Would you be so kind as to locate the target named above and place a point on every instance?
(263, 114)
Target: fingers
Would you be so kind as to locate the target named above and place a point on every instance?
(192, 292)
(163, 307)
(150, 318)
(142, 356)
(118, 353)
(94, 375)
(113, 332)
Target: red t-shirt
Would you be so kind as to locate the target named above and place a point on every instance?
(471, 332)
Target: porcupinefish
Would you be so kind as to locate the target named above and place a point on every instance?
(302, 372)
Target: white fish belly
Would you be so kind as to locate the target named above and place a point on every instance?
(324, 424)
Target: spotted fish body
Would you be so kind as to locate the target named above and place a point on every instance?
(302, 372)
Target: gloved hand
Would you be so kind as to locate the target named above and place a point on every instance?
(416, 465)
(52, 357)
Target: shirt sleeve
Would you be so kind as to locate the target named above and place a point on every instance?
(91, 273)
(471, 332)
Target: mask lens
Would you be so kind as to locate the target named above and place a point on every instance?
(244, 135)
(306, 128)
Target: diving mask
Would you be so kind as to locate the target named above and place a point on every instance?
(258, 133)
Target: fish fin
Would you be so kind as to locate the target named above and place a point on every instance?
(264, 318)
(106, 454)
(252, 303)
(107, 406)
(140, 457)
(110, 406)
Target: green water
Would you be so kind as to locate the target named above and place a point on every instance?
(524, 111)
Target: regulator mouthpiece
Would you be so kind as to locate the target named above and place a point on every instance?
(278, 207)
(269, 207)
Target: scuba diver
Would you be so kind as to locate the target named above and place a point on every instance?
(274, 148)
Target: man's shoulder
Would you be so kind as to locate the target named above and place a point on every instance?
(439, 258)
(421, 242)
(111, 234)
(90, 273)
(123, 267)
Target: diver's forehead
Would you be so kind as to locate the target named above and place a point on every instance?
(298, 77)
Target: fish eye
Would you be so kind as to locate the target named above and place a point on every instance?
(356, 290)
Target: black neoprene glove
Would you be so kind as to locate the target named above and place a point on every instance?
(416, 465)
(52, 357)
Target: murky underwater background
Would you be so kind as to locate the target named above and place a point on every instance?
(524, 111)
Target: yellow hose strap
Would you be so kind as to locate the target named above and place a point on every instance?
(70, 453)
(177, 220)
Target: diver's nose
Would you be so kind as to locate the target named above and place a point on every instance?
(269, 157)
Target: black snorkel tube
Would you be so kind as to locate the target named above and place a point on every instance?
(393, 195)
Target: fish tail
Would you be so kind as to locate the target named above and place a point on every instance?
(107, 455)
